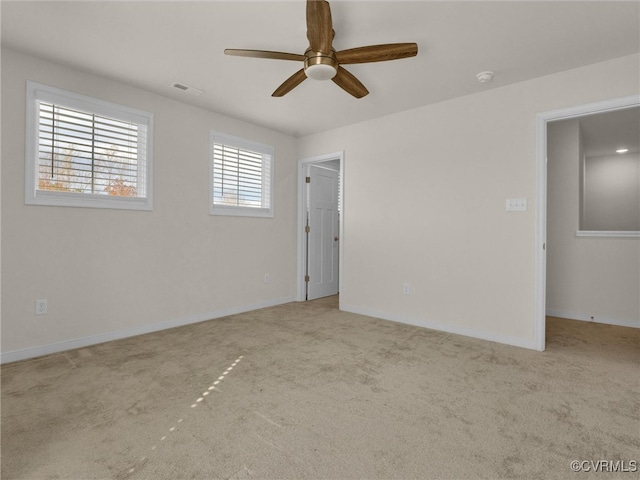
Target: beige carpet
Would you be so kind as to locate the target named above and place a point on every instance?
(304, 391)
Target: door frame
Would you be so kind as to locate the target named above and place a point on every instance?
(302, 203)
(540, 257)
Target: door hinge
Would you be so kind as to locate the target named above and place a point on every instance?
(307, 179)
(307, 229)
(306, 278)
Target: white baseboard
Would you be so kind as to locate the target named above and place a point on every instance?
(467, 332)
(26, 353)
(596, 319)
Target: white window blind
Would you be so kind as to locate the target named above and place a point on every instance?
(84, 152)
(241, 177)
(87, 152)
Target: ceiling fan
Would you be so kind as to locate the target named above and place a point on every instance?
(322, 62)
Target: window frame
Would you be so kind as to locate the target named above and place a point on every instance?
(218, 138)
(584, 201)
(36, 93)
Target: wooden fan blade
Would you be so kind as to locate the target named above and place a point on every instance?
(377, 53)
(349, 83)
(264, 54)
(319, 26)
(290, 83)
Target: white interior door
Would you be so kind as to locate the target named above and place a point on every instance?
(323, 240)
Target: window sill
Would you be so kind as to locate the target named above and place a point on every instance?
(603, 233)
(241, 211)
(67, 199)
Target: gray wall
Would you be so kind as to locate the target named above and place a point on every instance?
(110, 273)
(424, 204)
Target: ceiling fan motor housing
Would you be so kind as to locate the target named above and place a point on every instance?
(319, 66)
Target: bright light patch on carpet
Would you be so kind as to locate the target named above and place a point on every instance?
(198, 401)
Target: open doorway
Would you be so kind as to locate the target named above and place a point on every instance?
(320, 225)
(550, 195)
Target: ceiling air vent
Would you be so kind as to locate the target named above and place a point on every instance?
(188, 89)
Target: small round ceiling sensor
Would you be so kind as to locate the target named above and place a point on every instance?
(484, 77)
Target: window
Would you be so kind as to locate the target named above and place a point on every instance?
(609, 169)
(85, 152)
(611, 193)
(241, 177)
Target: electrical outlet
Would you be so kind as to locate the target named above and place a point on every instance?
(267, 278)
(41, 307)
(406, 289)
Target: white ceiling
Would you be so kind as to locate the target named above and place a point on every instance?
(151, 45)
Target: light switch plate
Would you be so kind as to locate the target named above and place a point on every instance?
(516, 204)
